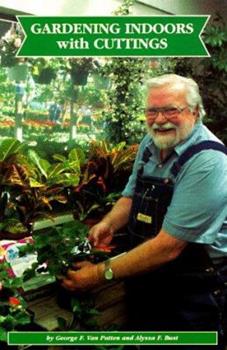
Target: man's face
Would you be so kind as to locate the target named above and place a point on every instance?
(169, 129)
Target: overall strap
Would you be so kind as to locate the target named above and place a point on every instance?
(146, 154)
(192, 150)
(145, 158)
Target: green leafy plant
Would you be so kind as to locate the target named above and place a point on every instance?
(44, 70)
(103, 178)
(13, 308)
(55, 246)
(111, 164)
(15, 175)
(30, 185)
(66, 171)
(124, 98)
(57, 249)
(79, 69)
(205, 71)
(121, 115)
(48, 187)
(9, 44)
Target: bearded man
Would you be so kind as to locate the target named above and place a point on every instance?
(175, 207)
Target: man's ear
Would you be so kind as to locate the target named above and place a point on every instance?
(196, 112)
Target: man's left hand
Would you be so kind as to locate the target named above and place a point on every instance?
(83, 277)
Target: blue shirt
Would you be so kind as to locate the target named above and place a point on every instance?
(198, 209)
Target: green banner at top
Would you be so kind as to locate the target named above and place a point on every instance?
(165, 36)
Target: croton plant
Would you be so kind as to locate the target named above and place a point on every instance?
(30, 188)
(33, 188)
(29, 185)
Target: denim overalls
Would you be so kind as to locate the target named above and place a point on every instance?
(187, 294)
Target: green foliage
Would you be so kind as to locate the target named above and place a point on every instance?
(124, 98)
(13, 311)
(44, 70)
(124, 8)
(103, 178)
(8, 148)
(90, 95)
(9, 45)
(30, 184)
(36, 115)
(211, 76)
(85, 312)
(65, 172)
(54, 246)
(34, 187)
(58, 247)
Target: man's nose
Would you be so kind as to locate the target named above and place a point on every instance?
(160, 119)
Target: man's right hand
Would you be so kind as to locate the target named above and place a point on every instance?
(101, 234)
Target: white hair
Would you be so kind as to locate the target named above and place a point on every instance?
(175, 81)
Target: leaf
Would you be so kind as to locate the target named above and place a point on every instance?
(69, 180)
(17, 175)
(55, 170)
(30, 273)
(76, 305)
(34, 183)
(42, 164)
(14, 226)
(8, 147)
(23, 318)
(62, 323)
(93, 312)
(77, 154)
(59, 157)
(3, 334)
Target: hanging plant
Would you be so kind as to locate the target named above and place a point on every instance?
(9, 45)
(43, 72)
(126, 75)
(80, 68)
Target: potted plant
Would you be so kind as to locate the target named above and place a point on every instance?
(31, 186)
(14, 176)
(57, 248)
(102, 179)
(80, 68)
(43, 71)
(9, 44)
(13, 308)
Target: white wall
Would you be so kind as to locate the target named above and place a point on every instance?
(106, 7)
(189, 6)
(72, 7)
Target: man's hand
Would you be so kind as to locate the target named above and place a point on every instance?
(85, 276)
(101, 234)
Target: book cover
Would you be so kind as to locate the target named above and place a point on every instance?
(72, 81)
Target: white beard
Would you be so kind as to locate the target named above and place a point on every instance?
(171, 139)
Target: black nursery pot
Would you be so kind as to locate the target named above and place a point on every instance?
(79, 76)
(63, 296)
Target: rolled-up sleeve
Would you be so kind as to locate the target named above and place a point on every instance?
(198, 206)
